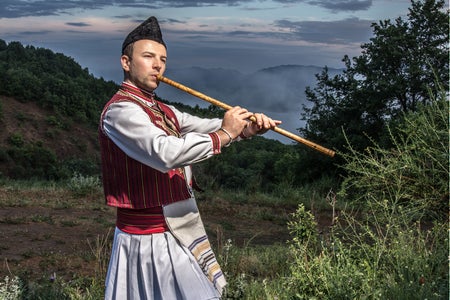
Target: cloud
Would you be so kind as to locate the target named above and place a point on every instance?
(335, 5)
(350, 30)
(192, 3)
(344, 5)
(345, 32)
(26, 8)
(174, 21)
(34, 33)
(78, 24)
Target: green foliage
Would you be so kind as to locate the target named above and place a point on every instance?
(393, 262)
(404, 58)
(253, 272)
(10, 288)
(55, 122)
(258, 164)
(391, 76)
(303, 228)
(414, 172)
(385, 256)
(84, 167)
(28, 160)
(16, 139)
(54, 288)
(47, 289)
(395, 245)
(53, 81)
(81, 186)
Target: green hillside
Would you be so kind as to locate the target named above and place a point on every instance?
(50, 108)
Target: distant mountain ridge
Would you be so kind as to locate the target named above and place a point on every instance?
(275, 89)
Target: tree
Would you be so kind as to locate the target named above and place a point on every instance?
(3, 45)
(400, 62)
(392, 75)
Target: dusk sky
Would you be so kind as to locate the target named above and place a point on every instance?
(242, 35)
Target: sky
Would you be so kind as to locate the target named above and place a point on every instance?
(231, 34)
(241, 35)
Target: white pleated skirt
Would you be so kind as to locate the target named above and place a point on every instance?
(153, 267)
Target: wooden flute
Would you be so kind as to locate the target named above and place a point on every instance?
(225, 106)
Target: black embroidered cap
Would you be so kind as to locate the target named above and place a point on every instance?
(148, 30)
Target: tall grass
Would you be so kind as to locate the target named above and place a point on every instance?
(394, 244)
(391, 242)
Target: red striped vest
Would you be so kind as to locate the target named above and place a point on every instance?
(127, 183)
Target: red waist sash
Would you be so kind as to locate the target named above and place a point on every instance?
(141, 221)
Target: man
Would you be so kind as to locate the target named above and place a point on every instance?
(160, 248)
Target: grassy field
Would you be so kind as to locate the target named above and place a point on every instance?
(62, 232)
(56, 240)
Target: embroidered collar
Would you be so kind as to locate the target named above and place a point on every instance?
(139, 93)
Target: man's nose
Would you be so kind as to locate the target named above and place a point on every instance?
(157, 64)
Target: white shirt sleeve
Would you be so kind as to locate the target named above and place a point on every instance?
(131, 129)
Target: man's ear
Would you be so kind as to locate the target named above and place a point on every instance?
(125, 62)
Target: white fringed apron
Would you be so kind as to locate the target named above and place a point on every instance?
(183, 219)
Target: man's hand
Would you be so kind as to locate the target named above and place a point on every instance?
(235, 120)
(261, 125)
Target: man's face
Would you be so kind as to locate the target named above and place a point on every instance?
(148, 60)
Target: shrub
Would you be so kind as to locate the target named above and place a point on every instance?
(82, 186)
(394, 244)
(16, 139)
(303, 228)
(31, 160)
(10, 288)
(414, 173)
(253, 272)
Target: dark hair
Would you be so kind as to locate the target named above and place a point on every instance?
(128, 51)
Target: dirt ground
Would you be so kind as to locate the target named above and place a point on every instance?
(44, 233)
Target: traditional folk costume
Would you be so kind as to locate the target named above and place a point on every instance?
(160, 248)
(160, 244)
